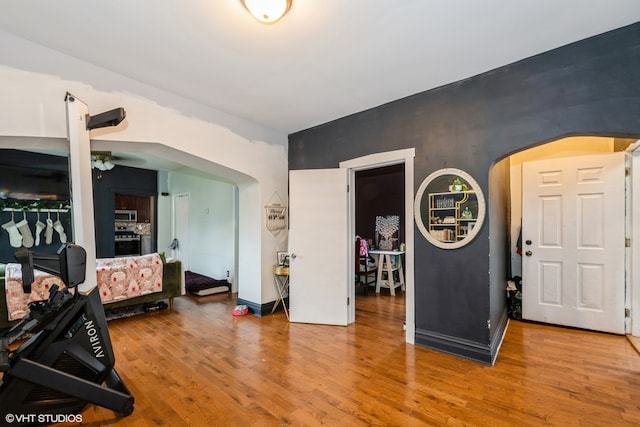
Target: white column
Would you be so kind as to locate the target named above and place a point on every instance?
(81, 185)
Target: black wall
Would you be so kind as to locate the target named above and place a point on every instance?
(124, 180)
(121, 179)
(44, 176)
(379, 191)
(587, 88)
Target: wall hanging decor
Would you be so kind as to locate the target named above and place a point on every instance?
(387, 232)
(276, 215)
(449, 208)
(33, 223)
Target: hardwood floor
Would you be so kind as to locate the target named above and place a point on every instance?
(200, 366)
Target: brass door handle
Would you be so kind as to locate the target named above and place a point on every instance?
(528, 253)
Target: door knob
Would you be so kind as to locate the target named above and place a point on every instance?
(528, 253)
(293, 256)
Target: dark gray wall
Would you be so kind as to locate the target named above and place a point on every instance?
(49, 170)
(379, 191)
(587, 88)
(124, 180)
(500, 261)
(44, 176)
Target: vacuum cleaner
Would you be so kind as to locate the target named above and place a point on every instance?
(67, 362)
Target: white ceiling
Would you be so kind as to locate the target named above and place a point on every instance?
(326, 59)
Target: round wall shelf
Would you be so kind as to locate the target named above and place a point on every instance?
(449, 208)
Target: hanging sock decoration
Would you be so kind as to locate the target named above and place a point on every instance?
(15, 238)
(48, 232)
(25, 231)
(60, 229)
(39, 227)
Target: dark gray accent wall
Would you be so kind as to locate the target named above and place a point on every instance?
(499, 203)
(44, 176)
(591, 87)
(379, 191)
(124, 180)
(48, 174)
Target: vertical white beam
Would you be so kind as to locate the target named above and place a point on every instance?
(634, 288)
(81, 185)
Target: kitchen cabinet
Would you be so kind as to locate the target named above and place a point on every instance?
(142, 204)
(125, 201)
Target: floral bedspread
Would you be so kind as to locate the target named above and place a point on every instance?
(129, 277)
(117, 278)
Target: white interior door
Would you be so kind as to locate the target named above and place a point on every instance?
(573, 242)
(319, 246)
(181, 228)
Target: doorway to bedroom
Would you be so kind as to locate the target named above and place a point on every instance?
(201, 218)
(379, 206)
(398, 164)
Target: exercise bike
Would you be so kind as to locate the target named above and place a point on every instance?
(68, 361)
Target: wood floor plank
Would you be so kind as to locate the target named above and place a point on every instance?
(200, 366)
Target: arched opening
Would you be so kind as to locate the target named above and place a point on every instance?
(511, 248)
(178, 172)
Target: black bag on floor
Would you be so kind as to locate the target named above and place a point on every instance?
(514, 298)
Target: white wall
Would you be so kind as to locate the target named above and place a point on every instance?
(33, 83)
(212, 219)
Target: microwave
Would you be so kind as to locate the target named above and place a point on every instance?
(126, 215)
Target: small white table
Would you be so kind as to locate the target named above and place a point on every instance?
(385, 264)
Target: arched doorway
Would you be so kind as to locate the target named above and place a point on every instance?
(571, 149)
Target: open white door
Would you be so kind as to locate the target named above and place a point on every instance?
(573, 242)
(319, 246)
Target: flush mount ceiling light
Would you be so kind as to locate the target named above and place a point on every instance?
(267, 11)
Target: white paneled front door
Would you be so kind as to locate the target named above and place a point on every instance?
(573, 242)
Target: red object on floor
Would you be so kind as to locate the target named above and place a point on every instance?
(240, 310)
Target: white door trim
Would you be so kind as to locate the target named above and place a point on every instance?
(633, 296)
(183, 246)
(376, 160)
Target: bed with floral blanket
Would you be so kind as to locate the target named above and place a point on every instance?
(129, 277)
(119, 280)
